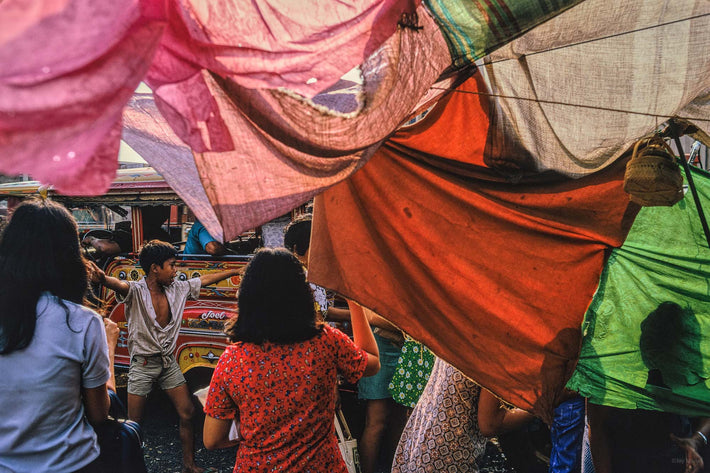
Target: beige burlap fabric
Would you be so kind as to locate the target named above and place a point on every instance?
(579, 90)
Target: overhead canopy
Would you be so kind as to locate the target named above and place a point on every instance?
(647, 332)
(493, 276)
(245, 123)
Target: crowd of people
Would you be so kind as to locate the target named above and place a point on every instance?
(274, 391)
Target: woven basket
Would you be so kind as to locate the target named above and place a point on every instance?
(652, 176)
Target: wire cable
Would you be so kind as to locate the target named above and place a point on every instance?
(602, 38)
(591, 107)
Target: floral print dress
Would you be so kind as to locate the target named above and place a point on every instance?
(442, 433)
(284, 397)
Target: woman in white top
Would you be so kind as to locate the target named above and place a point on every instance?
(54, 357)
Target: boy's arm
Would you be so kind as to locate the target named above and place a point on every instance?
(213, 278)
(98, 276)
(120, 287)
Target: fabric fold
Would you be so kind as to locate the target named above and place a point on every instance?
(647, 332)
(493, 276)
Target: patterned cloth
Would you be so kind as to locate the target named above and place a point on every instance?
(322, 300)
(442, 433)
(479, 27)
(413, 370)
(284, 397)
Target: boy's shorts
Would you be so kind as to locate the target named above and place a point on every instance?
(146, 370)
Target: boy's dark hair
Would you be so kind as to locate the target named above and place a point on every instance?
(297, 236)
(156, 252)
(275, 301)
(39, 251)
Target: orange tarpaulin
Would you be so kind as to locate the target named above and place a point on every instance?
(493, 276)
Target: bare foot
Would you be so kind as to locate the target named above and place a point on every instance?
(197, 469)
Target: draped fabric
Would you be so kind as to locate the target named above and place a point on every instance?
(288, 147)
(303, 46)
(493, 276)
(478, 27)
(255, 95)
(67, 69)
(150, 135)
(647, 333)
(70, 66)
(577, 91)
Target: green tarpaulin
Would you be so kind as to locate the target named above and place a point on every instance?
(647, 331)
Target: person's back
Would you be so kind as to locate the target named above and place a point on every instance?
(278, 377)
(450, 425)
(199, 241)
(40, 391)
(54, 357)
(443, 426)
(284, 394)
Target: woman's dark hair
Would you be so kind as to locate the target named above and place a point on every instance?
(297, 236)
(39, 251)
(275, 301)
(156, 252)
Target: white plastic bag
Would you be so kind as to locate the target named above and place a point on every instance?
(347, 444)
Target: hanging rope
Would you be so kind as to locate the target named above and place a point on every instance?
(674, 129)
(602, 38)
(591, 107)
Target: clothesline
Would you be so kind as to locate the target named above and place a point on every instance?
(591, 107)
(615, 35)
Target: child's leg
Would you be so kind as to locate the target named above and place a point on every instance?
(182, 400)
(142, 373)
(136, 407)
(173, 383)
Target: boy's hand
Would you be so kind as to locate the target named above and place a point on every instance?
(88, 241)
(96, 275)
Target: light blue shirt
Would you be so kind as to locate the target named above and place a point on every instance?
(42, 422)
(197, 239)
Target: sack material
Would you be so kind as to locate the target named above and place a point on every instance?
(652, 175)
(347, 444)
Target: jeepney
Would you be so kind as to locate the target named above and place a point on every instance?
(201, 340)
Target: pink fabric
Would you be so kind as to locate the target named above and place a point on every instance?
(150, 135)
(288, 148)
(68, 68)
(303, 46)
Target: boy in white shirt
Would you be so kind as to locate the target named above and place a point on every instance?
(154, 307)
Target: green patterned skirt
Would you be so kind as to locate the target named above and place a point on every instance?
(412, 372)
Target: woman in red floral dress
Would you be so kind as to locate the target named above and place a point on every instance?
(278, 377)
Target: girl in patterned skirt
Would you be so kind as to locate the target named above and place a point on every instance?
(448, 430)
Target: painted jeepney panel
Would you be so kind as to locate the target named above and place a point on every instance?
(201, 339)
